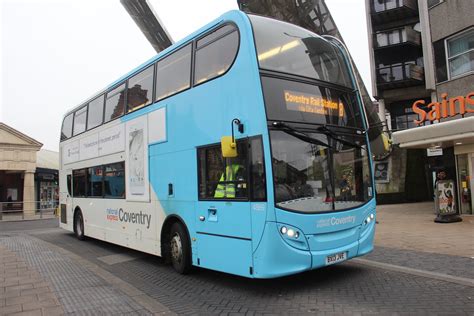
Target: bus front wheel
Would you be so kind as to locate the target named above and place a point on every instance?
(79, 225)
(180, 250)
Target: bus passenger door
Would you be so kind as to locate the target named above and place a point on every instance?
(223, 225)
(66, 199)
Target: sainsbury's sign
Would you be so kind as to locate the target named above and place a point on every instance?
(459, 105)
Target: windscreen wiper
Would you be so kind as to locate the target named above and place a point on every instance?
(326, 131)
(300, 135)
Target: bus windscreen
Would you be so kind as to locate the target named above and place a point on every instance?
(288, 48)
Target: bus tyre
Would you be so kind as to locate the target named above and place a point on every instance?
(79, 225)
(180, 250)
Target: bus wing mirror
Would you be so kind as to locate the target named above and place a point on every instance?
(229, 147)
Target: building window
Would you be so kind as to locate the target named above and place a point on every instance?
(439, 53)
(406, 121)
(405, 118)
(384, 5)
(460, 51)
(392, 37)
(432, 3)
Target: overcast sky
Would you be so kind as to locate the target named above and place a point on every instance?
(56, 53)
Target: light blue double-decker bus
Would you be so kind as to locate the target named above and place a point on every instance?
(242, 148)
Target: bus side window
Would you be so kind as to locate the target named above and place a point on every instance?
(96, 112)
(66, 130)
(215, 53)
(114, 180)
(79, 178)
(94, 188)
(69, 184)
(223, 178)
(257, 170)
(114, 103)
(80, 120)
(173, 73)
(140, 89)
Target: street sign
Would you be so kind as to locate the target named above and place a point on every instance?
(431, 152)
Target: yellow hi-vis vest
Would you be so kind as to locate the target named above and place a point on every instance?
(227, 190)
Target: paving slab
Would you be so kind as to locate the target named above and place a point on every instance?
(411, 227)
(75, 285)
(20, 293)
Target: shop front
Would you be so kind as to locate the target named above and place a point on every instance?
(444, 141)
(47, 189)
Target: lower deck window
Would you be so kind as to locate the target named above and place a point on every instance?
(105, 181)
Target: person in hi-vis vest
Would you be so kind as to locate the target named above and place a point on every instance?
(227, 186)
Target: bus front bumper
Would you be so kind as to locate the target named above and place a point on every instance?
(274, 257)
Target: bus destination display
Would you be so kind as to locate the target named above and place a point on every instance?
(310, 103)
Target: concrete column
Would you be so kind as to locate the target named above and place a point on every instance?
(382, 112)
(427, 46)
(29, 194)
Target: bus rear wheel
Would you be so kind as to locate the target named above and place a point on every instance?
(79, 225)
(180, 250)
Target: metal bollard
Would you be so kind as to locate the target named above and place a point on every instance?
(1, 211)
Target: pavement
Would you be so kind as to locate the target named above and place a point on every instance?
(418, 267)
(412, 227)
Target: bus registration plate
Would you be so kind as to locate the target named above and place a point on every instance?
(335, 258)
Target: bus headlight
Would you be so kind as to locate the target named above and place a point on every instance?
(293, 236)
(369, 219)
(289, 232)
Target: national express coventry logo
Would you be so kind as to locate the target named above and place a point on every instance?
(119, 215)
(335, 221)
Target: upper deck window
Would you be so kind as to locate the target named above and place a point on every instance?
(287, 48)
(96, 112)
(66, 130)
(114, 105)
(140, 89)
(173, 73)
(216, 53)
(80, 120)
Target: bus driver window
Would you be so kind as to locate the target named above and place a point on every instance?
(223, 178)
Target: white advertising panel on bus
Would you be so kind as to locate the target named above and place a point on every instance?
(107, 142)
(136, 163)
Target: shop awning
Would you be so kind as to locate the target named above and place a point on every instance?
(445, 134)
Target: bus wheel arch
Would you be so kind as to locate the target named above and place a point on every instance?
(78, 223)
(175, 224)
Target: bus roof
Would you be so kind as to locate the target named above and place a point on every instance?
(232, 15)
